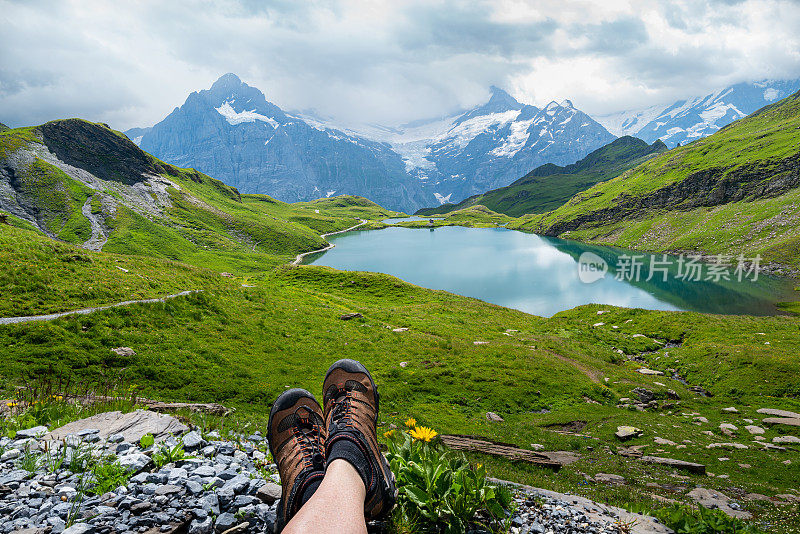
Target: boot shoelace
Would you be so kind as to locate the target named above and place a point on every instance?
(341, 409)
(307, 431)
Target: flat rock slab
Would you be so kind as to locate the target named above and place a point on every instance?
(132, 426)
(652, 372)
(677, 464)
(625, 433)
(779, 413)
(714, 499)
(782, 421)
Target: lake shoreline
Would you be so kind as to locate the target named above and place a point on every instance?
(528, 285)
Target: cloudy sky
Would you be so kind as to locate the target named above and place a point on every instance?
(130, 63)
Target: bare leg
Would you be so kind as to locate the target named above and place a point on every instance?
(337, 507)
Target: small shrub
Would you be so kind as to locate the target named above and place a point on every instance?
(108, 475)
(29, 460)
(438, 489)
(167, 455)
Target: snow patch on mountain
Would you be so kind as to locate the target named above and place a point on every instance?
(442, 199)
(238, 117)
(515, 140)
(463, 133)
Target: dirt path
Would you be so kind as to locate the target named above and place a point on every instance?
(300, 257)
(85, 311)
(99, 237)
(591, 374)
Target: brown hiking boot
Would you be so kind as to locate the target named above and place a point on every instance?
(296, 435)
(351, 415)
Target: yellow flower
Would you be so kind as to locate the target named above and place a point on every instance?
(411, 422)
(11, 404)
(423, 433)
(388, 433)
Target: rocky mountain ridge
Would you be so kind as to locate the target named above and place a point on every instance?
(233, 133)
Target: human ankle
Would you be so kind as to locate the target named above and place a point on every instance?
(346, 451)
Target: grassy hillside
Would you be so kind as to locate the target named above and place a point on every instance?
(549, 186)
(733, 192)
(149, 208)
(541, 375)
(560, 382)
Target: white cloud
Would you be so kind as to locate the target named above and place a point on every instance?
(130, 63)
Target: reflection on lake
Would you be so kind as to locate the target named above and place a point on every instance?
(538, 275)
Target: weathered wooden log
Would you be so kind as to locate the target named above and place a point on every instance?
(503, 450)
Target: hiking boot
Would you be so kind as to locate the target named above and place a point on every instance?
(296, 435)
(351, 416)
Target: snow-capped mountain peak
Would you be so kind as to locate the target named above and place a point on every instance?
(499, 102)
(230, 131)
(696, 117)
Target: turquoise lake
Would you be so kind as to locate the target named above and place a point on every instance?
(540, 275)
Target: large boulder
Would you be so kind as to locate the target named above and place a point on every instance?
(644, 395)
(131, 426)
(627, 432)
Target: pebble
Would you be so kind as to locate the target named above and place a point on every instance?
(218, 490)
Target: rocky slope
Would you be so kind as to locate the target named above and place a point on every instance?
(549, 186)
(693, 118)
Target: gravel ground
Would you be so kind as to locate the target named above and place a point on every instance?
(227, 487)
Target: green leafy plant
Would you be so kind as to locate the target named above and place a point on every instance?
(167, 454)
(81, 458)
(29, 460)
(439, 491)
(147, 441)
(108, 475)
(684, 519)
